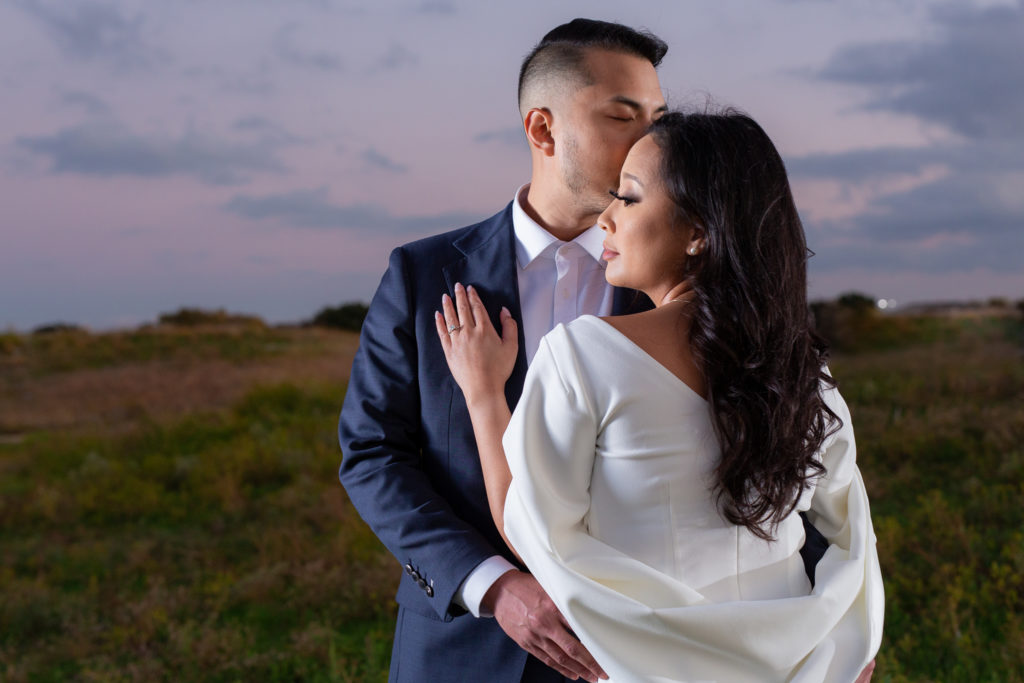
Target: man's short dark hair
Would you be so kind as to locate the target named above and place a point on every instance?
(562, 51)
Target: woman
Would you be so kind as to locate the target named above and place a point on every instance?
(656, 462)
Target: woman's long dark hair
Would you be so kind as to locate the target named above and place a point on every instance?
(751, 331)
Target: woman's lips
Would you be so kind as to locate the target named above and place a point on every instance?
(608, 254)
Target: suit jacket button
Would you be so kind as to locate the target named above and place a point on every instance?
(409, 570)
(430, 591)
(421, 582)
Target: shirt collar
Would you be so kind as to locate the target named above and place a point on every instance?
(592, 241)
(532, 240)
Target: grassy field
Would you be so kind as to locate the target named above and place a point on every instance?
(940, 431)
(169, 506)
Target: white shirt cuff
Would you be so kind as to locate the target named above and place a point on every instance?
(471, 593)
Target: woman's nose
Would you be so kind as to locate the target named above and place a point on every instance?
(604, 221)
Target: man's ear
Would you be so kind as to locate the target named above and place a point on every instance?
(538, 123)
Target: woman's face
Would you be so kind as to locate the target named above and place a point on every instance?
(645, 245)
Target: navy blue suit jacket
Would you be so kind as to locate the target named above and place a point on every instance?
(410, 463)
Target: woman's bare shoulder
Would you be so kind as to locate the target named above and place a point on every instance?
(663, 334)
(654, 326)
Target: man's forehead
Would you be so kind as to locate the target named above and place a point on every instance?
(658, 103)
(621, 77)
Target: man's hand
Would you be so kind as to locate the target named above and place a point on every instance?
(529, 617)
(865, 675)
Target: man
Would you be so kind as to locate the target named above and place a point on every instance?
(587, 92)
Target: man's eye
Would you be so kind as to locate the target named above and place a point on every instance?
(621, 118)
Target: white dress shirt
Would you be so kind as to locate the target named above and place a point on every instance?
(558, 282)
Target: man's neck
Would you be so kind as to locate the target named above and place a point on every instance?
(555, 212)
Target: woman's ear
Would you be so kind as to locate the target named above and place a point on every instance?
(697, 242)
(537, 124)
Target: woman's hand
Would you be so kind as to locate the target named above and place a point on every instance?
(481, 363)
(479, 359)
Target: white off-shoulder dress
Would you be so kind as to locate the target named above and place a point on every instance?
(611, 508)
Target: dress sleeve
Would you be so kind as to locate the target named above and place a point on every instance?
(550, 446)
(641, 624)
(839, 509)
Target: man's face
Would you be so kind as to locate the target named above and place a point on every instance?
(602, 121)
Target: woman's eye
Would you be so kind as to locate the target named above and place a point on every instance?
(621, 118)
(622, 198)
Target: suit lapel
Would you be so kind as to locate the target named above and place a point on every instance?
(488, 263)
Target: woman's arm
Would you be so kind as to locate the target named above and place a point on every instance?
(490, 416)
(481, 362)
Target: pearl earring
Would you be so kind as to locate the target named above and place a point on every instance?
(692, 251)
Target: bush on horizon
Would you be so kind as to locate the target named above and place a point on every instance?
(347, 316)
(67, 351)
(852, 323)
(192, 317)
(58, 327)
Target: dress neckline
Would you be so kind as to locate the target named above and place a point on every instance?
(649, 358)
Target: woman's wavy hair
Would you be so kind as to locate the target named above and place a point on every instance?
(751, 329)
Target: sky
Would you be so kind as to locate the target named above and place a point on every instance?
(265, 156)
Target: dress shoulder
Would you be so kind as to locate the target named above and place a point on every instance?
(554, 361)
(572, 340)
(571, 351)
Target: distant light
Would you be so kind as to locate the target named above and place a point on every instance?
(884, 304)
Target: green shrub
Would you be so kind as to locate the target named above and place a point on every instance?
(57, 328)
(11, 343)
(853, 324)
(192, 317)
(347, 316)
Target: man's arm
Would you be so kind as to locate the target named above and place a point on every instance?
(381, 438)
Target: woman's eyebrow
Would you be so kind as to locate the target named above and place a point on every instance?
(633, 178)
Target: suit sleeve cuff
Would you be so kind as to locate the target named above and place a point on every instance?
(473, 588)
